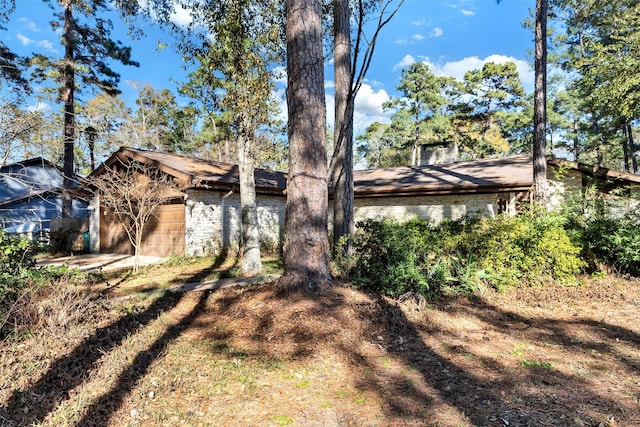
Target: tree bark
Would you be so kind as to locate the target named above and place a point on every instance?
(69, 113)
(251, 263)
(306, 240)
(540, 184)
(342, 166)
(632, 148)
(625, 147)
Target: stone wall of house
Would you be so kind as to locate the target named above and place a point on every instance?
(431, 208)
(213, 221)
(565, 185)
(620, 206)
(438, 154)
(203, 223)
(94, 225)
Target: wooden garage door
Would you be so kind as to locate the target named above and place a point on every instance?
(163, 235)
(113, 238)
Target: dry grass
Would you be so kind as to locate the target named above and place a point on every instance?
(248, 357)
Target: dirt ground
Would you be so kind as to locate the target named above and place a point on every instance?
(552, 356)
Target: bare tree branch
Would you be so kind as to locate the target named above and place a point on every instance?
(133, 192)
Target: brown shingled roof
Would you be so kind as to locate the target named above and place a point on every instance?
(512, 173)
(194, 173)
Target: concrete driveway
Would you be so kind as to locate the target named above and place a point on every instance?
(106, 262)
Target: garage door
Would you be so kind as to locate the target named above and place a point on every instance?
(113, 238)
(163, 235)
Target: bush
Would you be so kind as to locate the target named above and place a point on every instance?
(49, 307)
(30, 295)
(614, 242)
(16, 260)
(525, 249)
(460, 256)
(393, 258)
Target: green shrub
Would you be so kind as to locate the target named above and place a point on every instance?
(460, 256)
(525, 249)
(614, 242)
(16, 258)
(20, 280)
(392, 257)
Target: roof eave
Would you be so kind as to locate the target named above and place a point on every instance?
(440, 191)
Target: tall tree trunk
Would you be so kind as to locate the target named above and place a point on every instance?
(540, 184)
(91, 137)
(306, 240)
(626, 147)
(632, 148)
(415, 153)
(576, 142)
(69, 113)
(137, 247)
(251, 263)
(342, 166)
(595, 128)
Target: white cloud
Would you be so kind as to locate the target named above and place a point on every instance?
(418, 37)
(24, 39)
(467, 12)
(368, 108)
(437, 32)
(458, 69)
(404, 62)
(419, 22)
(29, 25)
(401, 41)
(181, 16)
(38, 106)
(46, 44)
(330, 105)
(369, 101)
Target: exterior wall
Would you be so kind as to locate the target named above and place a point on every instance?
(438, 155)
(213, 221)
(431, 208)
(36, 213)
(564, 185)
(620, 206)
(203, 223)
(94, 225)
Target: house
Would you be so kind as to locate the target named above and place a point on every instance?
(206, 218)
(30, 197)
(481, 187)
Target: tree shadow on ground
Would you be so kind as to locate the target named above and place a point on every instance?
(527, 396)
(68, 372)
(493, 399)
(558, 332)
(101, 410)
(222, 259)
(534, 396)
(30, 406)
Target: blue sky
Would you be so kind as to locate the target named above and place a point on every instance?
(452, 36)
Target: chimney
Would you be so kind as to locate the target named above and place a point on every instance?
(438, 153)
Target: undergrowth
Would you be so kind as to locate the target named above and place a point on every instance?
(34, 297)
(461, 256)
(532, 248)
